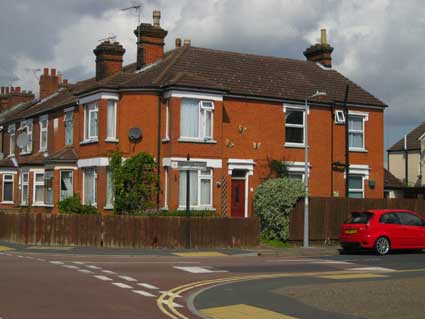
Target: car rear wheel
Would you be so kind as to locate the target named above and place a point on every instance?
(382, 246)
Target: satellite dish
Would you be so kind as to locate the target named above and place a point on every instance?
(22, 140)
(135, 134)
(1, 156)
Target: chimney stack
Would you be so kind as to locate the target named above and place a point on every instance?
(178, 43)
(49, 83)
(150, 41)
(320, 52)
(109, 58)
(187, 42)
(11, 96)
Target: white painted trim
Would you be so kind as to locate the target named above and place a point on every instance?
(296, 107)
(298, 167)
(246, 194)
(64, 167)
(241, 164)
(211, 163)
(36, 170)
(99, 96)
(357, 113)
(422, 137)
(69, 109)
(35, 184)
(359, 169)
(193, 95)
(6, 171)
(96, 161)
(165, 188)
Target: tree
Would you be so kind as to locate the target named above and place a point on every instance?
(134, 182)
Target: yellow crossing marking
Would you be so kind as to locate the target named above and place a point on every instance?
(242, 312)
(200, 254)
(351, 276)
(5, 248)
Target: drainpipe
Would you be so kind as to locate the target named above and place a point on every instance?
(347, 147)
(406, 161)
(158, 151)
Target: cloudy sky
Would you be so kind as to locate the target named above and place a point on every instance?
(378, 43)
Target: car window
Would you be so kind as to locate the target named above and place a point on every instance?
(359, 218)
(389, 218)
(409, 219)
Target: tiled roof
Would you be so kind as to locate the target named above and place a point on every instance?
(35, 159)
(413, 142)
(65, 155)
(390, 181)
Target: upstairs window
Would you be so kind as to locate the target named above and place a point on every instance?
(111, 131)
(26, 126)
(356, 132)
(294, 126)
(43, 133)
(91, 122)
(196, 119)
(11, 130)
(69, 127)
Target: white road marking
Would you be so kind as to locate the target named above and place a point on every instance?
(143, 293)
(19, 256)
(128, 278)
(175, 305)
(121, 285)
(70, 267)
(93, 267)
(198, 270)
(371, 269)
(332, 262)
(170, 294)
(109, 272)
(85, 271)
(289, 260)
(104, 278)
(40, 259)
(148, 286)
(78, 262)
(56, 262)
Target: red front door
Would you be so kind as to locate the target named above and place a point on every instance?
(238, 198)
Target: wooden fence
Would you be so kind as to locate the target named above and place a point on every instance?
(127, 231)
(326, 215)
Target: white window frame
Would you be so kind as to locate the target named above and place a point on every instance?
(49, 175)
(109, 205)
(111, 136)
(43, 130)
(339, 117)
(167, 121)
(357, 190)
(94, 185)
(34, 202)
(13, 188)
(201, 177)
(12, 139)
(204, 106)
(87, 119)
(60, 182)
(299, 109)
(27, 126)
(24, 202)
(365, 118)
(66, 120)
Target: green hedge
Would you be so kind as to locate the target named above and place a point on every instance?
(72, 205)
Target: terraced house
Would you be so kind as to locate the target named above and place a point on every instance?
(232, 113)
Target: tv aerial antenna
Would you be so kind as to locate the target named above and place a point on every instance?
(33, 71)
(110, 38)
(138, 8)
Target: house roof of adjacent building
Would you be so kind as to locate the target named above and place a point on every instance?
(413, 141)
(65, 155)
(390, 181)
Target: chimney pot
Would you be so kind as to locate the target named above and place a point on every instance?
(12, 89)
(46, 71)
(187, 42)
(178, 42)
(7, 90)
(323, 40)
(65, 82)
(156, 15)
(53, 72)
(18, 89)
(2, 90)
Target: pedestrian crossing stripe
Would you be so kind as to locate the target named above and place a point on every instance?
(242, 311)
(200, 254)
(352, 276)
(5, 248)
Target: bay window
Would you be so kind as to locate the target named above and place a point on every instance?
(69, 127)
(111, 120)
(38, 198)
(25, 188)
(8, 188)
(109, 190)
(66, 184)
(200, 188)
(89, 184)
(48, 176)
(43, 132)
(196, 119)
(294, 126)
(91, 122)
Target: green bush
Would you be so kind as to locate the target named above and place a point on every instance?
(273, 201)
(72, 205)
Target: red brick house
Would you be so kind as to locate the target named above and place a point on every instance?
(231, 112)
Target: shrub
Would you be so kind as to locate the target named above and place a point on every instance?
(273, 201)
(134, 182)
(72, 205)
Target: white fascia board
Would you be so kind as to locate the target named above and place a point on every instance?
(212, 163)
(365, 115)
(193, 95)
(90, 162)
(300, 107)
(8, 171)
(99, 96)
(240, 164)
(422, 137)
(359, 169)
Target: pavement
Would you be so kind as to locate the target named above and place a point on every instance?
(217, 284)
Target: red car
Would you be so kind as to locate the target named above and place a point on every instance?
(383, 230)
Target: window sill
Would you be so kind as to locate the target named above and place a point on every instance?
(42, 205)
(26, 153)
(358, 150)
(7, 203)
(165, 140)
(111, 140)
(198, 208)
(196, 140)
(165, 208)
(42, 150)
(89, 141)
(294, 145)
(108, 207)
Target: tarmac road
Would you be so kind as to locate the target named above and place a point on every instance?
(41, 284)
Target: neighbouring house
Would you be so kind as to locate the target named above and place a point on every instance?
(408, 155)
(232, 113)
(393, 187)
